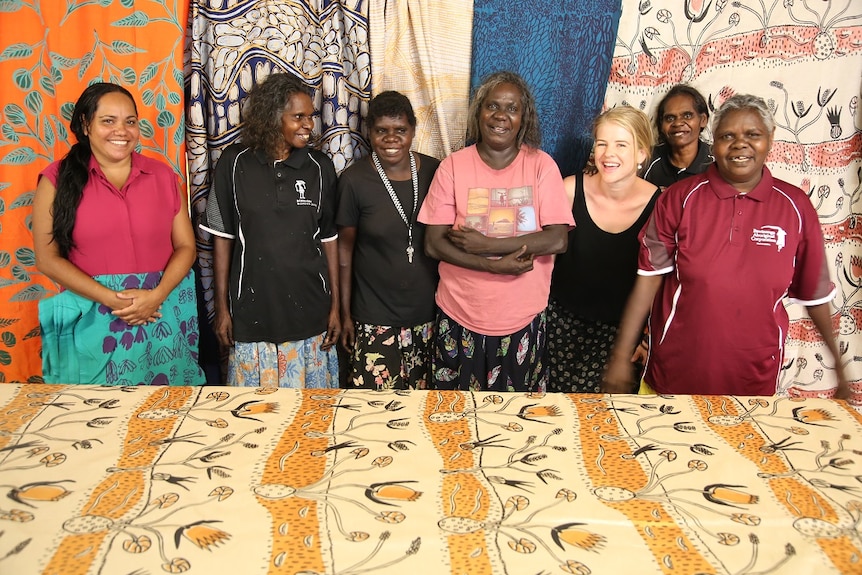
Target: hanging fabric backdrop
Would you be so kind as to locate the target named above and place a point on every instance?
(805, 59)
(421, 48)
(232, 48)
(49, 52)
(563, 50)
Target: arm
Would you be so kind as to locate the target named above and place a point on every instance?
(145, 303)
(822, 318)
(333, 326)
(618, 377)
(552, 239)
(440, 247)
(223, 326)
(56, 267)
(346, 241)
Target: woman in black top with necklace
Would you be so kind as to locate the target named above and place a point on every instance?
(388, 283)
(592, 280)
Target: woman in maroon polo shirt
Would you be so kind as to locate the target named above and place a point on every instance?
(720, 252)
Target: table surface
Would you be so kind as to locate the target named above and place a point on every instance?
(231, 480)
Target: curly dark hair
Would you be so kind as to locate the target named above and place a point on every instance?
(389, 104)
(263, 109)
(697, 98)
(530, 132)
(74, 167)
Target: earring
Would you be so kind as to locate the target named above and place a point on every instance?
(640, 166)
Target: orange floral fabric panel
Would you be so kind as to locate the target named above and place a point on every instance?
(49, 52)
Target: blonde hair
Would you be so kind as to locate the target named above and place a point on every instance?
(634, 121)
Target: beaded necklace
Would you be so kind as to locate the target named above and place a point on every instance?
(414, 178)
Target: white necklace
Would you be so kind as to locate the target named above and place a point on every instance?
(414, 178)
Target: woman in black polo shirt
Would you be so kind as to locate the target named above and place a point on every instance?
(272, 213)
(680, 118)
(387, 281)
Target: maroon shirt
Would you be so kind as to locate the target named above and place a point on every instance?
(718, 324)
(128, 230)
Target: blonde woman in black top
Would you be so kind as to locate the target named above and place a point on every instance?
(593, 278)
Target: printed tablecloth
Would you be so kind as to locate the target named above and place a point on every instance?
(149, 480)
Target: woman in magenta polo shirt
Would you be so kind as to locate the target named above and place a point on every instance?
(719, 254)
(111, 227)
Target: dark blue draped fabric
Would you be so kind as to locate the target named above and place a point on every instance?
(563, 49)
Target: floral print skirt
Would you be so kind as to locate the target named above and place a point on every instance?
(386, 357)
(467, 360)
(299, 364)
(82, 342)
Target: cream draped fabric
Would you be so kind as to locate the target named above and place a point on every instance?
(421, 48)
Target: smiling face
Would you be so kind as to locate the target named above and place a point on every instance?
(113, 130)
(681, 124)
(297, 121)
(742, 142)
(616, 154)
(500, 117)
(391, 137)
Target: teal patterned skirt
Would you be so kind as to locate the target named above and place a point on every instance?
(82, 342)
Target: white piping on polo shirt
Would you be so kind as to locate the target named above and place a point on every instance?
(239, 224)
(795, 209)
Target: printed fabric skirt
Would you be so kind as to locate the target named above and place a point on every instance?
(578, 351)
(386, 357)
(82, 342)
(299, 364)
(467, 360)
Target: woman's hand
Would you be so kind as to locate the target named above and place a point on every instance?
(514, 263)
(641, 352)
(333, 329)
(223, 326)
(469, 240)
(348, 333)
(144, 306)
(618, 376)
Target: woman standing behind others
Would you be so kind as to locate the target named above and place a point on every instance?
(718, 256)
(387, 281)
(496, 214)
(680, 118)
(593, 279)
(112, 228)
(272, 213)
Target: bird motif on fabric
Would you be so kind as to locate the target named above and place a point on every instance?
(201, 534)
(572, 534)
(532, 411)
(39, 491)
(254, 407)
(811, 416)
(724, 494)
(392, 491)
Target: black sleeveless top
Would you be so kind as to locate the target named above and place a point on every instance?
(595, 276)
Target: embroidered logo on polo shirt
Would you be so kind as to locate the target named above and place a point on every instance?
(769, 236)
(300, 191)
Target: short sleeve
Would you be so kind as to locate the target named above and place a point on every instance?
(438, 209)
(347, 215)
(658, 237)
(328, 230)
(220, 215)
(554, 208)
(811, 284)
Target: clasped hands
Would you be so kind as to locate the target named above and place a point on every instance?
(137, 306)
(474, 242)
